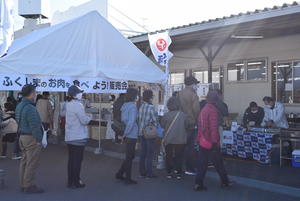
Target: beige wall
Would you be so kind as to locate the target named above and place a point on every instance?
(239, 94)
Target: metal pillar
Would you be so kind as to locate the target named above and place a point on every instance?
(210, 57)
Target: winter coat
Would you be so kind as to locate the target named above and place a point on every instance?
(76, 121)
(255, 117)
(189, 103)
(11, 125)
(28, 119)
(44, 108)
(177, 133)
(129, 115)
(222, 108)
(208, 128)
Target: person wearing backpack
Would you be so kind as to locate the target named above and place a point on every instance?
(147, 117)
(9, 132)
(117, 116)
(175, 124)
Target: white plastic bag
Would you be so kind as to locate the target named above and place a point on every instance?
(44, 140)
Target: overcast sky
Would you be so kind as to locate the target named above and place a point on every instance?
(159, 14)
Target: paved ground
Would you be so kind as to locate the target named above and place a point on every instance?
(251, 169)
(98, 172)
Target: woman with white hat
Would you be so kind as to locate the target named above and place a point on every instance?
(76, 135)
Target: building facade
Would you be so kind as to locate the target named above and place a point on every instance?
(251, 55)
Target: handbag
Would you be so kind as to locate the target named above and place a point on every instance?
(118, 126)
(150, 131)
(44, 140)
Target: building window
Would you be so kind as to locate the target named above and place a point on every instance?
(202, 76)
(176, 78)
(252, 70)
(286, 81)
(236, 71)
(256, 70)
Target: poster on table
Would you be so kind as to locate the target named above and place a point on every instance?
(14, 82)
(227, 137)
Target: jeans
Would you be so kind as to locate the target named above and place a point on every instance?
(215, 156)
(191, 152)
(174, 157)
(74, 163)
(147, 155)
(127, 163)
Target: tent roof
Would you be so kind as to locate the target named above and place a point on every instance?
(87, 46)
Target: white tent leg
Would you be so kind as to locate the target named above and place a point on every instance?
(99, 150)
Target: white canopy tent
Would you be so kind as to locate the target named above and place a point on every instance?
(87, 46)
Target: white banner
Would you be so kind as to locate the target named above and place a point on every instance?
(6, 25)
(159, 44)
(61, 83)
(203, 90)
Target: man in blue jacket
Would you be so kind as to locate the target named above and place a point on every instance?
(31, 135)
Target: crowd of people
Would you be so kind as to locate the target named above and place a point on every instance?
(191, 136)
(191, 140)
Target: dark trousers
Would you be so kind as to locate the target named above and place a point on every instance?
(174, 157)
(146, 158)
(74, 163)
(191, 152)
(215, 156)
(130, 154)
(17, 149)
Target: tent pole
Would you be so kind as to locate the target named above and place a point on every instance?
(99, 150)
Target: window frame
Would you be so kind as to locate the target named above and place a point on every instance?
(292, 61)
(245, 62)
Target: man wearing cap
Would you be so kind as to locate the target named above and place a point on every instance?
(189, 104)
(31, 135)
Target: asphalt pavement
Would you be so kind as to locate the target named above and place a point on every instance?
(98, 174)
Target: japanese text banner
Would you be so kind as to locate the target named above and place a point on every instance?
(61, 83)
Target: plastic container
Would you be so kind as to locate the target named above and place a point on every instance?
(296, 158)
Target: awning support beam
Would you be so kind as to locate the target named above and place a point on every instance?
(210, 56)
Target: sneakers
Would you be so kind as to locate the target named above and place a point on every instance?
(178, 176)
(130, 181)
(200, 188)
(16, 157)
(119, 177)
(190, 173)
(229, 184)
(3, 156)
(151, 177)
(169, 176)
(33, 190)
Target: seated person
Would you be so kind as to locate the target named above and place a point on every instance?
(253, 115)
(274, 114)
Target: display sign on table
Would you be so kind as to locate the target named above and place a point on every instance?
(227, 137)
(253, 145)
(61, 84)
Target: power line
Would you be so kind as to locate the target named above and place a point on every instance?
(128, 18)
(121, 22)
